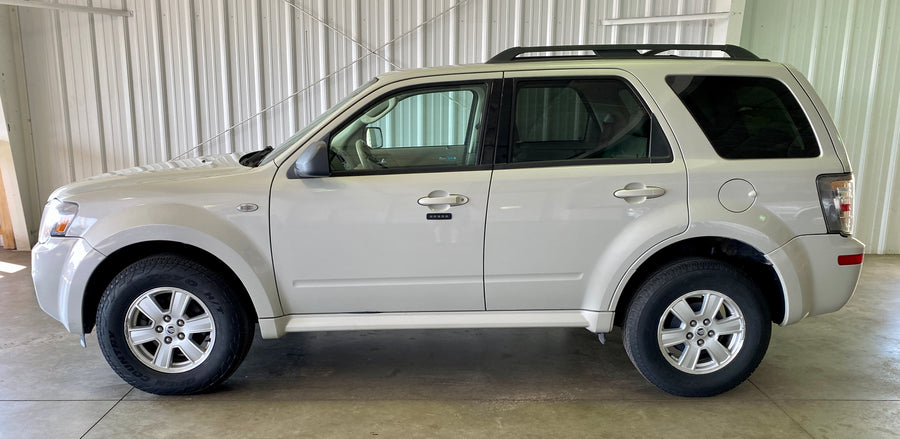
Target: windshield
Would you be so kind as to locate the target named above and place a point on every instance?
(292, 141)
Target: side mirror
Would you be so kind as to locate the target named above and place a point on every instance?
(374, 138)
(312, 163)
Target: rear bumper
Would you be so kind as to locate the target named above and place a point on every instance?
(61, 268)
(811, 277)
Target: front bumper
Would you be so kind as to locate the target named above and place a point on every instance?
(61, 268)
(813, 281)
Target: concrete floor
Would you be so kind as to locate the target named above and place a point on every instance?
(828, 377)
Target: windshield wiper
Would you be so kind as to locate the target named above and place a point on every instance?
(252, 159)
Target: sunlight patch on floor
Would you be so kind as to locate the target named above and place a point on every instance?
(7, 267)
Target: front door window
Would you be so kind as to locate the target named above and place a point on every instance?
(420, 129)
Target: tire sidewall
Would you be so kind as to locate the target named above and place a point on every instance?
(670, 284)
(144, 276)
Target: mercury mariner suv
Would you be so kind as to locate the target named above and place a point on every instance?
(693, 195)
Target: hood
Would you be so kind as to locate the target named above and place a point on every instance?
(166, 172)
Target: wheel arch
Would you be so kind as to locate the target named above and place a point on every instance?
(115, 262)
(738, 253)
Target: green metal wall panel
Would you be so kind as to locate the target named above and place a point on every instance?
(850, 51)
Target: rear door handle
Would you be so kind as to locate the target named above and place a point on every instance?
(638, 192)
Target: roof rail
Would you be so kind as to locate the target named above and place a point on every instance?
(618, 51)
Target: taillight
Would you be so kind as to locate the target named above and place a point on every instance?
(836, 196)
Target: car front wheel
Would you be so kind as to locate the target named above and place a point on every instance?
(697, 327)
(168, 325)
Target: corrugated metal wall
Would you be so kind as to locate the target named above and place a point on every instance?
(109, 92)
(850, 51)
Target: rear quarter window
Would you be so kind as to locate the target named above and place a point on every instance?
(747, 117)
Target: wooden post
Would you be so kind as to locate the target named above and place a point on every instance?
(6, 230)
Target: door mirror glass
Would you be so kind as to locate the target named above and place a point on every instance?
(312, 163)
(374, 138)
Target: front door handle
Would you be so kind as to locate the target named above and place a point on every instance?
(439, 201)
(638, 193)
(452, 200)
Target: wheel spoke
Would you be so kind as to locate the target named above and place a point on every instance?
(683, 311)
(672, 337)
(181, 332)
(139, 336)
(191, 350)
(710, 335)
(711, 305)
(179, 304)
(199, 324)
(150, 309)
(163, 356)
(718, 352)
(730, 325)
(689, 357)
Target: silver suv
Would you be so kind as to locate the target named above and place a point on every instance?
(691, 200)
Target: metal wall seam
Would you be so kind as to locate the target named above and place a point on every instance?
(227, 77)
(163, 92)
(323, 57)
(845, 58)
(884, 236)
(817, 31)
(110, 85)
(485, 31)
(67, 119)
(355, 51)
(584, 24)
(420, 34)
(870, 101)
(101, 138)
(129, 90)
(453, 56)
(194, 67)
(259, 77)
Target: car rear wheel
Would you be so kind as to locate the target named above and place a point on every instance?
(697, 327)
(168, 325)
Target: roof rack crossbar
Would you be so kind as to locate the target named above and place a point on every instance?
(620, 51)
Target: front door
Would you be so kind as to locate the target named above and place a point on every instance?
(399, 224)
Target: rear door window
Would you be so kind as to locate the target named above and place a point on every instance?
(747, 117)
(574, 120)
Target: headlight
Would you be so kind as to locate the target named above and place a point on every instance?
(58, 216)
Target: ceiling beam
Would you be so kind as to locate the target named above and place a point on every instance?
(68, 8)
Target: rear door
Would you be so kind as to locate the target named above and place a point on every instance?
(586, 179)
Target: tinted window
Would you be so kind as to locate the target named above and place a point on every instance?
(577, 119)
(747, 117)
(551, 114)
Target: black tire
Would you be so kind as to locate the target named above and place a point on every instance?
(155, 355)
(652, 318)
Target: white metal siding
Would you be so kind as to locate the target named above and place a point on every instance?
(109, 92)
(850, 51)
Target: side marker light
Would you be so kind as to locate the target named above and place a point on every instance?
(850, 259)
